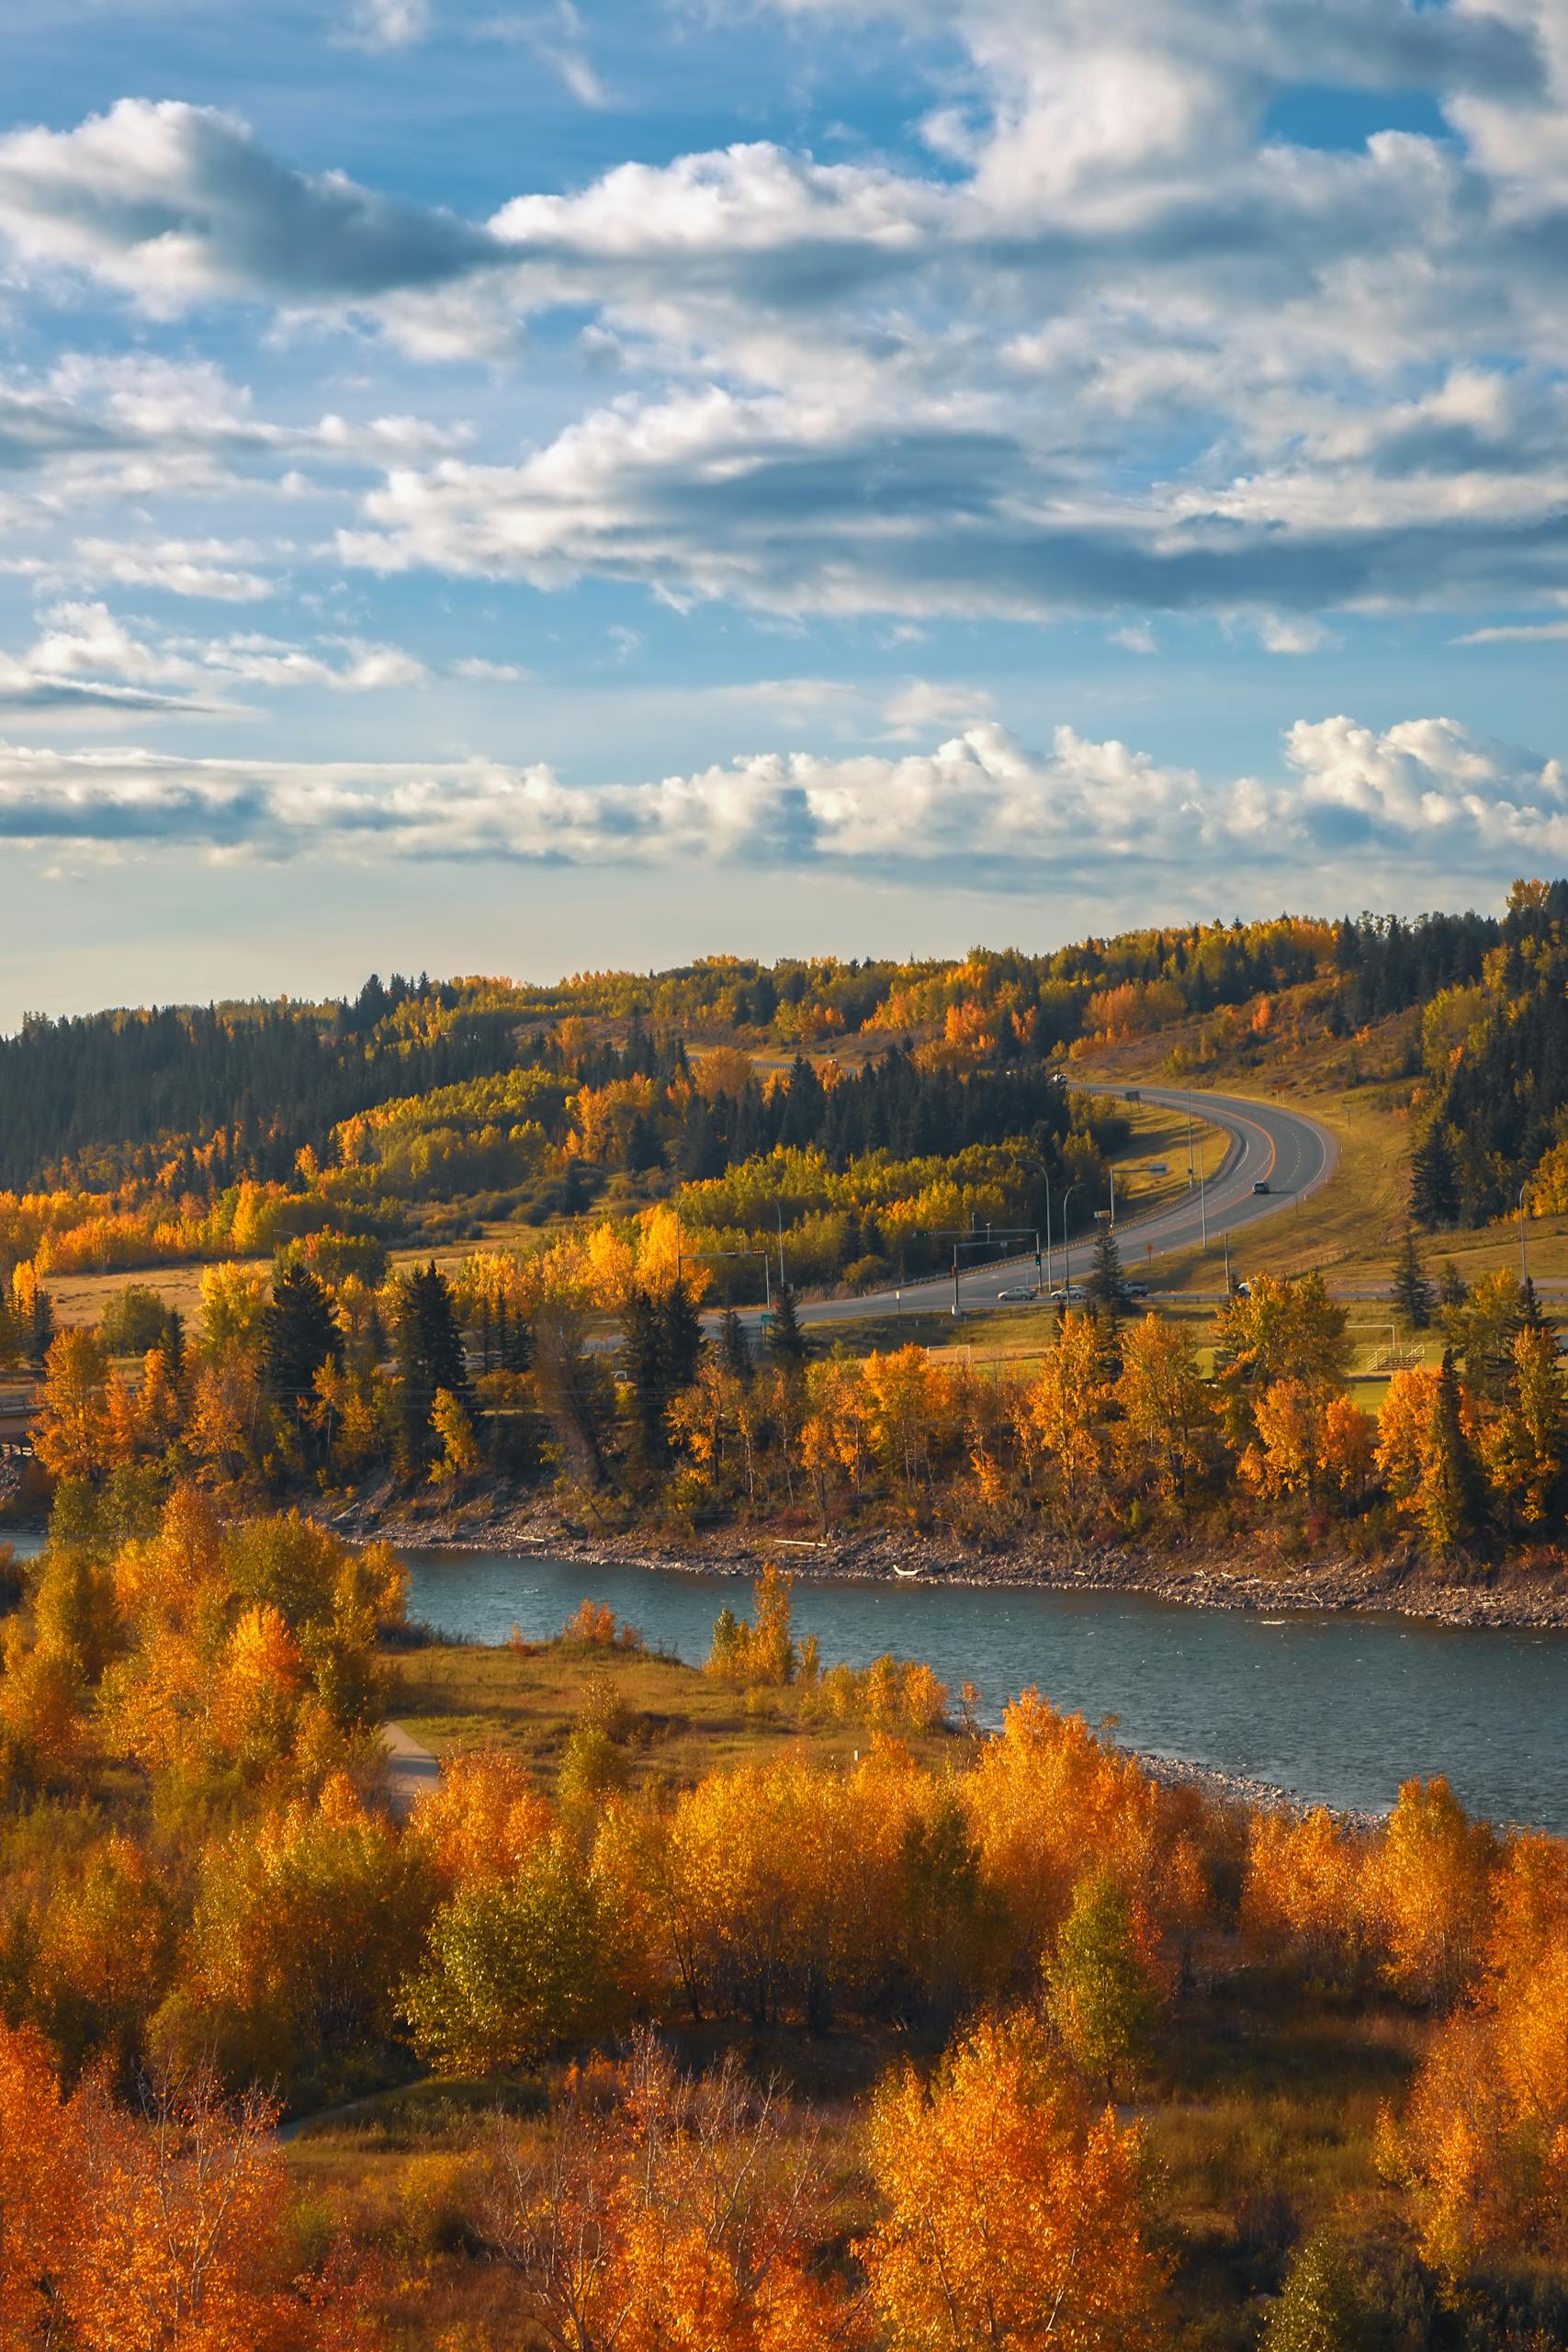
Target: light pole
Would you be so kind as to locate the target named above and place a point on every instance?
(1047, 1238)
(1066, 1245)
(778, 1212)
(1189, 1139)
(1203, 1203)
(1524, 1263)
(1111, 1173)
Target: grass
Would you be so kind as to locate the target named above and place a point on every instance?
(679, 1723)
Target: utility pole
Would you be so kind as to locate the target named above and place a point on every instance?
(1204, 1205)
(1189, 1139)
(955, 1278)
(1524, 1263)
(1111, 1173)
(1227, 1263)
(1047, 1238)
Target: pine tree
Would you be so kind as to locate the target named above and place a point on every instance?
(40, 1327)
(299, 1334)
(1434, 1181)
(1452, 1288)
(1107, 1284)
(735, 1346)
(1413, 1293)
(643, 1147)
(787, 1340)
(428, 1347)
(663, 1348)
(1451, 1485)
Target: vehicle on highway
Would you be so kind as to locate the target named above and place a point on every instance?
(1018, 1293)
(1137, 1290)
(1261, 1185)
(1241, 1289)
(1073, 1296)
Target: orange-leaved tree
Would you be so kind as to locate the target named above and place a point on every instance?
(1013, 2216)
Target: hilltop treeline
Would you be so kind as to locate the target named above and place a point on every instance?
(232, 1092)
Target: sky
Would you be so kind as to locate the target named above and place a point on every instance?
(525, 490)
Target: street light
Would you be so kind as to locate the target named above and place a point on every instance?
(1524, 1263)
(1077, 1185)
(1047, 1241)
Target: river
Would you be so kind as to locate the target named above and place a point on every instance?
(1338, 1708)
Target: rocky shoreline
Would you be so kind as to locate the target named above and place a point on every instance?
(1250, 1576)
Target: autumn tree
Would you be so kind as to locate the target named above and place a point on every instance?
(1012, 2218)
(1166, 1421)
(517, 1966)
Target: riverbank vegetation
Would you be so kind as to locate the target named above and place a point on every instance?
(581, 1375)
(741, 2031)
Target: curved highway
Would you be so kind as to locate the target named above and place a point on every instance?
(1291, 1153)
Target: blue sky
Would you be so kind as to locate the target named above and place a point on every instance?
(515, 488)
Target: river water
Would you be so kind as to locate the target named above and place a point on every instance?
(1339, 1708)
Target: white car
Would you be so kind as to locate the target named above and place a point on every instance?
(1018, 1295)
(1073, 1296)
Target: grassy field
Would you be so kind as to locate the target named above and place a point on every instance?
(672, 1722)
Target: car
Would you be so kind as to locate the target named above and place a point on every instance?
(1242, 1290)
(1261, 1185)
(1017, 1296)
(1073, 1296)
(1136, 1290)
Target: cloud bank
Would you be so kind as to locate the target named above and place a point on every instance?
(979, 810)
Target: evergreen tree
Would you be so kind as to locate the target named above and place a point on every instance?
(1451, 1492)
(735, 1346)
(1434, 1181)
(428, 1348)
(40, 1327)
(700, 1152)
(663, 1348)
(1452, 1288)
(1413, 1293)
(787, 1340)
(1321, 2309)
(643, 1147)
(299, 1334)
(1107, 1284)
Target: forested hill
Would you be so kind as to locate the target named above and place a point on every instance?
(98, 1100)
(1496, 1054)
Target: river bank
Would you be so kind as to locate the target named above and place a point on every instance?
(1250, 1576)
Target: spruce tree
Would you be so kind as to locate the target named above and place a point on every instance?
(1434, 1181)
(1452, 1288)
(299, 1334)
(1107, 1284)
(1413, 1293)
(1451, 1497)
(40, 1327)
(428, 1347)
(735, 1346)
(663, 1348)
(787, 1340)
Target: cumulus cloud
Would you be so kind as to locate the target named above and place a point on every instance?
(175, 202)
(87, 658)
(980, 808)
(1116, 346)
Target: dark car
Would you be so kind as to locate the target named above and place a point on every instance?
(1261, 1185)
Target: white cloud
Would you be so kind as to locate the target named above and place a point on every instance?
(485, 673)
(1292, 633)
(979, 809)
(1517, 633)
(389, 24)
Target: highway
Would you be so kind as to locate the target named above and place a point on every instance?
(1292, 1154)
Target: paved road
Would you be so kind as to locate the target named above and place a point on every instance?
(1285, 1149)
